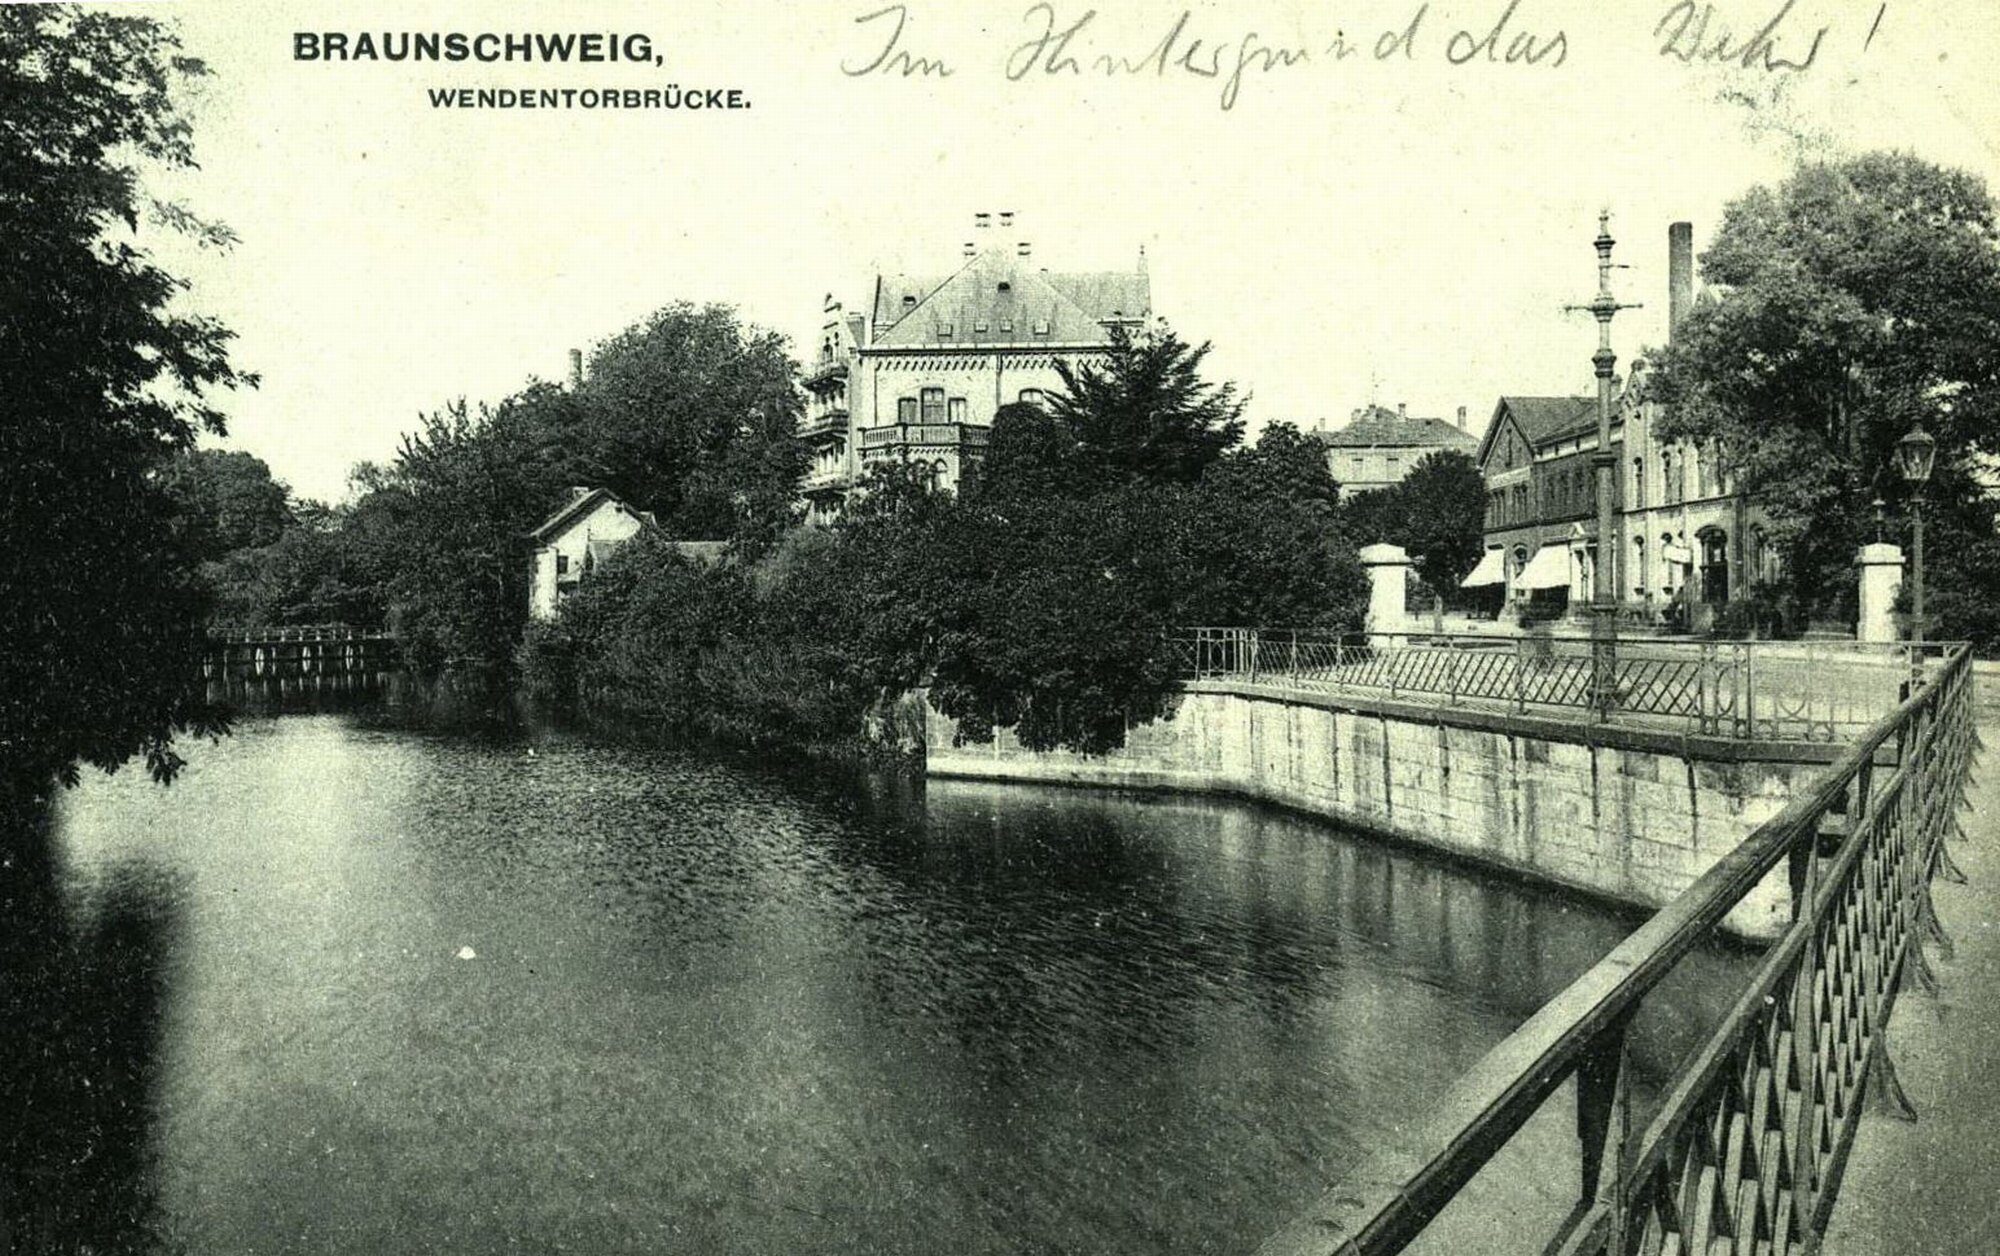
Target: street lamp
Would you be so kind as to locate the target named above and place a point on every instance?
(1914, 455)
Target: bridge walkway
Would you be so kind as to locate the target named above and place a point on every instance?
(1933, 1185)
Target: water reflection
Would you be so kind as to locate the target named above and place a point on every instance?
(718, 1008)
(82, 989)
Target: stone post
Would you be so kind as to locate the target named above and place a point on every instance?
(1388, 579)
(1881, 567)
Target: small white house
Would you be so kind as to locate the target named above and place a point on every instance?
(573, 540)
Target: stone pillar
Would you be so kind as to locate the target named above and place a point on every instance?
(1881, 567)
(1388, 577)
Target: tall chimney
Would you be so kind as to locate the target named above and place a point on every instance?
(1680, 275)
(575, 369)
(1402, 409)
(1461, 418)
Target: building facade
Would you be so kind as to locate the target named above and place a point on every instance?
(1686, 541)
(1379, 446)
(573, 541)
(919, 377)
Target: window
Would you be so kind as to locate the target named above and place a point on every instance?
(956, 409)
(944, 331)
(980, 327)
(1031, 396)
(562, 564)
(933, 405)
(906, 410)
(1639, 492)
(1005, 287)
(1714, 565)
(1639, 564)
(909, 303)
(1006, 326)
(1041, 327)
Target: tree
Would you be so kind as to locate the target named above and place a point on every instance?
(1146, 413)
(1437, 513)
(1266, 541)
(107, 377)
(1860, 297)
(693, 415)
(226, 500)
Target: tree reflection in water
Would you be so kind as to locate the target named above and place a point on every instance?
(81, 999)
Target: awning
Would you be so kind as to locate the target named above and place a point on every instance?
(1492, 569)
(1548, 569)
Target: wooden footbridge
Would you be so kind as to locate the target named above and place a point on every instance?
(299, 652)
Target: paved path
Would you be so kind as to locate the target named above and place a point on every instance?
(1933, 1186)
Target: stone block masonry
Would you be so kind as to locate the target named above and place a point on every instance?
(1625, 814)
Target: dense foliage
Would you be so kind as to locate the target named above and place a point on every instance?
(1859, 297)
(689, 414)
(1041, 599)
(1437, 513)
(108, 376)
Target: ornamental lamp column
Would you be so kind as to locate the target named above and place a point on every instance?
(1604, 568)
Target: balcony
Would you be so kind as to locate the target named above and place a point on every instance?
(824, 370)
(902, 435)
(834, 479)
(824, 421)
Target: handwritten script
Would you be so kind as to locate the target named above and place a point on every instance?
(1057, 41)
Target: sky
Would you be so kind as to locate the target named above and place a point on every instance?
(1348, 229)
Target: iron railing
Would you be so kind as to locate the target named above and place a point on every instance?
(1766, 690)
(1745, 1151)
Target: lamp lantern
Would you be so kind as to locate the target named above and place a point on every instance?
(1915, 453)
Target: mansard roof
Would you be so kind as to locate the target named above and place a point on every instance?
(1009, 298)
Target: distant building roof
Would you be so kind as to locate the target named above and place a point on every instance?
(1378, 425)
(999, 297)
(581, 502)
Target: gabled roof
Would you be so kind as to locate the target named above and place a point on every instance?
(1004, 293)
(1541, 420)
(582, 502)
(1378, 425)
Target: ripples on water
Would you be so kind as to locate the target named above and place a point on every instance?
(721, 1009)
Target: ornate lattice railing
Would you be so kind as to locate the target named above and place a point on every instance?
(1782, 691)
(1745, 1151)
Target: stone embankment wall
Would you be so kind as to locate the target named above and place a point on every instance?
(1632, 815)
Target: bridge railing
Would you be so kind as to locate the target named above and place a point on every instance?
(1745, 1151)
(1768, 690)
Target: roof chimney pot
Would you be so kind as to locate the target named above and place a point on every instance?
(575, 369)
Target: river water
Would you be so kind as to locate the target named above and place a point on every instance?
(353, 988)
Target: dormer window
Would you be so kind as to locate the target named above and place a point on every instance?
(980, 327)
(1041, 327)
(1006, 326)
(944, 331)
